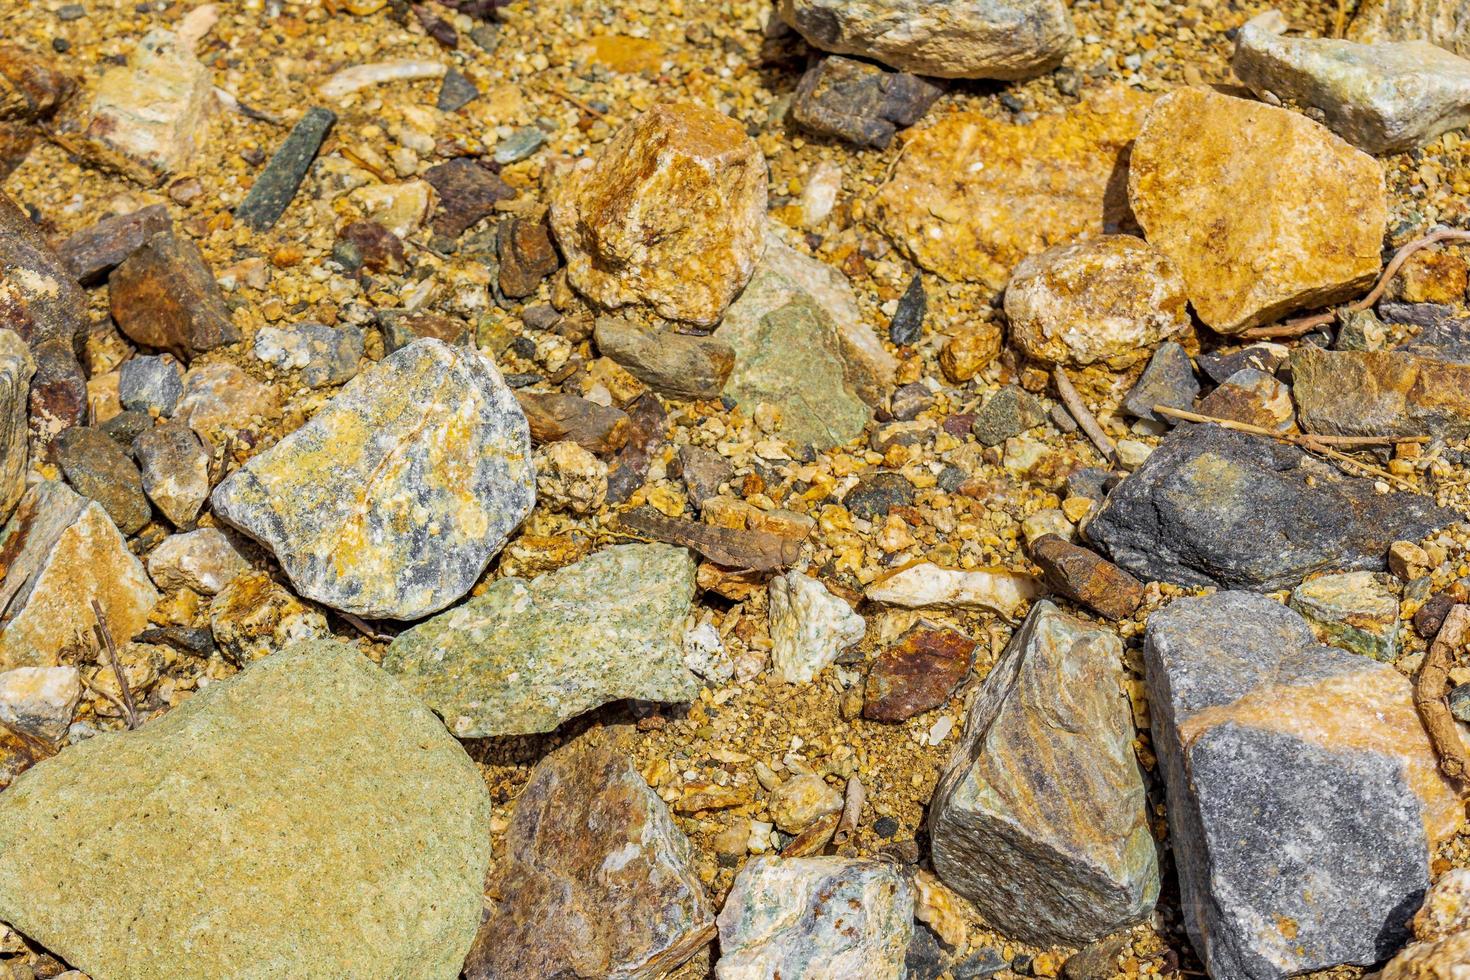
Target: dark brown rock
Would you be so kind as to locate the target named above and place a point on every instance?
(1086, 577)
(30, 87)
(400, 328)
(164, 296)
(379, 249)
(596, 879)
(96, 466)
(175, 470)
(674, 365)
(526, 255)
(1431, 615)
(860, 103)
(467, 193)
(554, 416)
(647, 422)
(16, 141)
(95, 251)
(918, 674)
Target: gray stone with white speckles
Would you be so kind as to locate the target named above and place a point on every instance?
(151, 384)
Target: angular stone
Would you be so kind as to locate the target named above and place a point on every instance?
(647, 422)
(253, 617)
(1433, 275)
(276, 185)
(1167, 380)
(526, 254)
(1041, 817)
(1112, 299)
(968, 39)
(455, 92)
(1380, 393)
(1220, 365)
(672, 364)
(1353, 610)
(818, 918)
(150, 384)
(801, 801)
(907, 324)
(1045, 183)
(703, 471)
(63, 552)
(98, 249)
(164, 296)
(917, 674)
(30, 87)
(1304, 799)
(175, 468)
(377, 249)
(526, 655)
(860, 103)
(40, 701)
(1381, 98)
(570, 478)
(324, 355)
(874, 496)
(391, 501)
(1253, 397)
(672, 214)
(221, 396)
(1216, 507)
(1086, 577)
(519, 145)
(401, 328)
(229, 787)
(467, 193)
(596, 879)
(554, 416)
(1263, 210)
(16, 368)
(1441, 22)
(809, 627)
(1009, 412)
(97, 468)
(1441, 932)
(203, 560)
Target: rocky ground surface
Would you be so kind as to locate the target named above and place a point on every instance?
(728, 489)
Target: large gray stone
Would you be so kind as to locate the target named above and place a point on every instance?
(1040, 817)
(1215, 507)
(1304, 797)
(307, 818)
(391, 501)
(527, 655)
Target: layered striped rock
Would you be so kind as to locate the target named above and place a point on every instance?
(16, 369)
(1304, 796)
(1041, 816)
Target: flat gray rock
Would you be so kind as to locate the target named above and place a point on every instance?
(392, 500)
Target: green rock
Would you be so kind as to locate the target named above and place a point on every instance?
(1009, 412)
(307, 818)
(1353, 610)
(529, 654)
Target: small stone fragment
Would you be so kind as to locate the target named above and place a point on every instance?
(1352, 610)
(704, 654)
(527, 255)
(1167, 380)
(324, 355)
(16, 369)
(151, 384)
(175, 468)
(377, 248)
(970, 350)
(860, 103)
(401, 329)
(39, 701)
(908, 319)
(1253, 397)
(647, 422)
(203, 560)
(98, 249)
(554, 416)
(809, 627)
(164, 296)
(467, 193)
(570, 478)
(801, 801)
(519, 145)
(253, 617)
(221, 396)
(1219, 365)
(1009, 412)
(401, 208)
(455, 92)
(276, 185)
(1086, 577)
(1442, 934)
(928, 585)
(703, 472)
(917, 674)
(96, 467)
(672, 364)
(874, 496)
(31, 87)
(1408, 561)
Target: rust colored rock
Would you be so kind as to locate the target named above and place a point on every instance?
(1253, 397)
(917, 674)
(1046, 183)
(1264, 211)
(672, 215)
(1380, 393)
(555, 416)
(1087, 578)
(164, 296)
(400, 328)
(96, 250)
(467, 193)
(380, 249)
(30, 86)
(526, 255)
(16, 141)
(596, 880)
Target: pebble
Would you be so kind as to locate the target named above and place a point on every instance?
(401, 208)
(801, 801)
(1380, 393)
(874, 496)
(703, 472)
(324, 355)
(400, 328)
(1441, 932)
(671, 214)
(1086, 577)
(859, 103)
(97, 467)
(926, 585)
(819, 194)
(526, 655)
(569, 478)
(1111, 300)
(908, 320)
(705, 655)
(520, 145)
(204, 560)
(672, 364)
(392, 500)
(164, 296)
(40, 701)
(1356, 611)
(253, 617)
(1041, 817)
(917, 674)
(96, 250)
(969, 351)
(1220, 364)
(527, 255)
(238, 769)
(468, 192)
(554, 416)
(1009, 412)
(596, 879)
(1312, 763)
(151, 383)
(809, 627)
(1263, 210)
(1167, 380)
(455, 92)
(16, 368)
(175, 467)
(1253, 397)
(276, 185)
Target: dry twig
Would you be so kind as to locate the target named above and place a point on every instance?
(580, 104)
(359, 161)
(1083, 415)
(1430, 687)
(362, 627)
(105, 636)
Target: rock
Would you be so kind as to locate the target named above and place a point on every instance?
(917, 674)
(809, 627)
(276, 185)
(969, 39)
(392, 500)
(203, 560)
(455, 92)
(928, 585)
(908, 320)
(401, 329)
(1303, 796)
(1133, 453)
(672, 364)
(1267, 358)
(63, 552)
(1041, 817)
(238, 769)
(647, 422)
(1360, 330)
(819, 918)
(164, 296)
(1216, 507)
(1440, 22)
(1087, 578)
(801, 801)
(150, 384)
(401, 208)
(221, 396)
(1045, 183)
(98, 468)
(467, 192)
(1407, 561)
(253, 617)
(1167, 380)
(519, 145)
(526, 255)
(324, 355)
(374, 248)
(40, 701)
(31, 87)
(1009, 412)
(596, 880)
(1432, 275)
(860, 103)
(910, 401)
(1264, 211)
(175, 468)
(703, 472)
(874, 496)
(16, 368)
(1352, 610)
(554, 416)
(1442, 934)
(969, 351)
(819, 194)
(524, 656)
(1253, 397)
(1097, 960)
(1380, 393)
(1109, 300)
(98, 249)
(125, 427)
(1381, 98)
(704, 654)
(672, 215)
(570, 478)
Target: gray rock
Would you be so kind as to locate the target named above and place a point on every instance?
(96, 250)
(391, 501)
(860, 103)
(1009, 412)
(151, 384)
(1215, 507)
(875, 495)
(1382, 98)
(519, 145)
(324, 355)
(1304, 800)
(702, 471)
(818, 918)
(40, 701)
(910, 400)
(1380, 393)
(672, 364)
(1040, 817)
(276, 185)
(526, 655)
(276, 777)
(98, 468)
(175, 470)
(455, 92)
(1168, 380)
(16, 368)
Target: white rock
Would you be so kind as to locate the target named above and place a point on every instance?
(927, 584)
(349, 80)
(819, 195)
(39, 701)
(401, 208)
(204, 560)
(704, 653)
(809, 626)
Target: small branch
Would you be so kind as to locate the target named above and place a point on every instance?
(1084, 417)
(105, 636)
(366, 630)
(1430, 686)
(359, 161)
(563, 94)
(106, 695)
